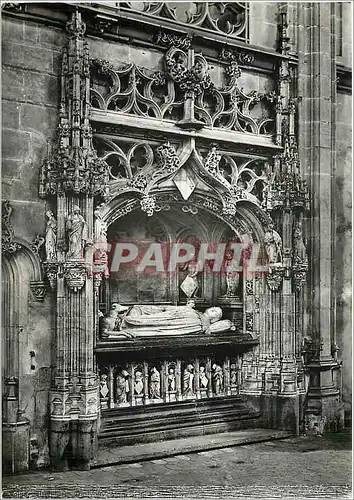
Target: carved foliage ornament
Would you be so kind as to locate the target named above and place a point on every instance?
(275, 277)
(232, 178)
(193, 81)
(170, 39)
(51, 270)
(75, 275)
(243, 58)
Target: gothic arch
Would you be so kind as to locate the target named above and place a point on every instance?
(18, 270)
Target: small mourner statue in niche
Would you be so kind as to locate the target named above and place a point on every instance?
(171, 379)
(152, 320)
(203, 378)
(122, 387)
(217, 377)
(188, 378)
(154, 383)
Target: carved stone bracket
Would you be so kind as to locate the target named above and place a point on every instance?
(39, 290)
(51, 271)
(75, 274)
(7, 233)
(299, 274)
(275, 277)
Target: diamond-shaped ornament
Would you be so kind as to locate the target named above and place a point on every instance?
(184, 183)
(189, 286)
(104, 390)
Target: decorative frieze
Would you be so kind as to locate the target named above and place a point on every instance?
(171, 40)
(245, 58)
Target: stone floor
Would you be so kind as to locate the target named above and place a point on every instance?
(295, 467)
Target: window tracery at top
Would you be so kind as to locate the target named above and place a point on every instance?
(228, 18)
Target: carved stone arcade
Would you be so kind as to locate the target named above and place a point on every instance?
(205, 150)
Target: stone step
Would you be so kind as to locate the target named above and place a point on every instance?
(160, 415)
(182, 446)
(129, 426)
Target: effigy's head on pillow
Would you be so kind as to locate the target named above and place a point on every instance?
(214, 314)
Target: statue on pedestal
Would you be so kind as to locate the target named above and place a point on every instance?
(273, 245)
(51, 237)
(299, 249)
(77, 232)
(232, 270)
(100, 238)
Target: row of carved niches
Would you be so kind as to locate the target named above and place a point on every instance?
(129, 159)
(165, 381)
(151, 277)
(230, 18)
(223, 95)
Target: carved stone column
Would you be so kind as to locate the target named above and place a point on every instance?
(72, 178)
(287, 200)
(317, 67)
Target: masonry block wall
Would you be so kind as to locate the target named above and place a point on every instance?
(31, 57)
(344, 241)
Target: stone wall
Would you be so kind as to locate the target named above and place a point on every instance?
(344, 241)
(31, 55)
(344, 205)
(263, 22)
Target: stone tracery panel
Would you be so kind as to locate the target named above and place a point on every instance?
(164, 94)
(227, 18)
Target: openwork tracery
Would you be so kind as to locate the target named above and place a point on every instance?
(180, 89)
(228, 18)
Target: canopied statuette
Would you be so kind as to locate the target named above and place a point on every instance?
(51, 237)
(273, 245)
(77, 233)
